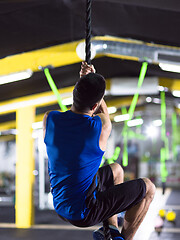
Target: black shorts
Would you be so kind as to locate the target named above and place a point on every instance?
(110, 199)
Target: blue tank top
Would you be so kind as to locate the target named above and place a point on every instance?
(74, 156)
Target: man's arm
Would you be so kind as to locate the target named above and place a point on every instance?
(102, 111)
(106, 125)
(44, 123)
(85, 69)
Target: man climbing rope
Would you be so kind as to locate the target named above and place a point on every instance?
(76, 141)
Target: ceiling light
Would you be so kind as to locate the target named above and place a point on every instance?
(17, 76)
(37, 125)
(105, 46)
(148, 99)
(120, 118)
(135, 122)
(112, 110)
(176, 93)
(170, 67)
(161, 88)
(156, 100)
(35, 172)
(151, 131)
(67, 101)
(80, 50)
(8, 132)
(157, 123)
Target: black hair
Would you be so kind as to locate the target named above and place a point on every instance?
(88, 91)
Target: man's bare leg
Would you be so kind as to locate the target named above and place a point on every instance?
(135, 215)
(118, 175)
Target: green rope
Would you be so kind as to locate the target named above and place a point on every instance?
(132, 134)
(136, 95)
(163, 116)
(174, 136)
(125, 128)
(125, 152)
(164, 153)
(131, 112)
(115, 156)
(163, 169)
(125, 140)
(102, 162)
(54, 89)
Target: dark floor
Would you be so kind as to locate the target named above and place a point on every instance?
(36, 234)
(7, 215)
(49, 218)
(174, 198)
(174, 201)
(165, 236)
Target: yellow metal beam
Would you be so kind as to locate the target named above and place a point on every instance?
(24, 168)
(165, 82)
(118, 102)
(119, 112)
(177, 110)
(12, 124)
(121, 56)
(57, 56)
(41, 99)
(48, 98)
(7, 138)
(123, 101)
(7, 125)
(171, 84)
(175, 85)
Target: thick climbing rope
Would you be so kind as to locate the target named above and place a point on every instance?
(88, 60)
(88, 31)
(106, 230)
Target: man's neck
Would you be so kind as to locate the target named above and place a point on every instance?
(89, 113)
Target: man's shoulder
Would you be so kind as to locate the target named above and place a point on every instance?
(52, 113)
(106, 123)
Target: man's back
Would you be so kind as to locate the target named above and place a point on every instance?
(74, 154)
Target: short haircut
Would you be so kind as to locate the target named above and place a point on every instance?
(88, 91)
